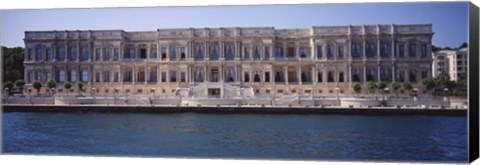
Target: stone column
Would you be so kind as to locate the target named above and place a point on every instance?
(54, 52)
(146, 74)
(206, 50)
(159, 73)
(205, 77)
(148, 52)
(313, 75)
(220, 70)
(66, 53)
(299, 76)
(364, 47)
(349, 46)
(78, 52)
(393, 72)
(349, 73)
(285, 70)
(378, 47)
(364, 73)
(134, 75)
(392, 47)
(378, 72)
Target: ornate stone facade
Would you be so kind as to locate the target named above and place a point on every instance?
(322, 60)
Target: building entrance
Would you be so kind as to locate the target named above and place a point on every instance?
(214, 92)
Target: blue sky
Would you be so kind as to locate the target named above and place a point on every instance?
(449, 19)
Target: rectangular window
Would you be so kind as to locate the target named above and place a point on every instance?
(267, 53)
(278, 52)
(246, 77)
(153, 53)
(424, 74)
(173, 76)
(164, 76)
(319, 52)
(319, 77)
(384, 49)
(412, 50)
(116, 54)
(173, 54)
(330, 77)
(49, 53)
(413, 76)
(329, 51)
(85, 53)
(143, 54)
(370, 52)
(97, 54)
(73, 54)
(355, 50)
(127, 77)
(29, 54)
(401, 50)
(267, 76)
(62, 53)
(229, 51)
(85, 77)
(424, 50)
(131, 53)
(246, 53)
(106, 76)
(182, 76)
(290, 52)
(214, 52)
(115, 77)
(164, 53)
(39, 54)
(73, 75)
(61, 75)
(340, 77)
(153, 76)
(48, 75)
(303, 52)
(97, 76)
(183, 55)
(340, 52)
(106, 56)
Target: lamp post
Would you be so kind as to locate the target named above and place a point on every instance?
(337, 89)
(93, 95)
(6, 93)
(30, 95)
(115, 93)
(241, 93)
(415, 94)
(387, 91)
(445, 98)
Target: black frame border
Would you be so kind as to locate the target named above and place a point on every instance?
(473, 115)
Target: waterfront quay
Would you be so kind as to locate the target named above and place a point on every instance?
(297, 104)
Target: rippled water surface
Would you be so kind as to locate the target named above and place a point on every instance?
(256, 136)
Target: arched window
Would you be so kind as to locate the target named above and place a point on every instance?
(330, 76)
(229, 55)
(173, 53)
(199, 51)
(256, 53)
(199, 75)
(214, 51)
(230, 75)
(256, 77)
(304, 77)
(278, 77)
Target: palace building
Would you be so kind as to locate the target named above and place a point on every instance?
(227, 62)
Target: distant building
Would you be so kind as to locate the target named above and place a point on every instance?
(216, 62)
(453, 62)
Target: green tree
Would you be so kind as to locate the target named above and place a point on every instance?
(79, 86)
(396, 86)
(441, 80)
(51, 84)
(428, 83)
(67, 86)
(463, 45)
(37, 85)
(20, 83)
(407, 86)
(371, 86)
(357, 87)
(12, 60)
(8, 85)
(381, 85)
